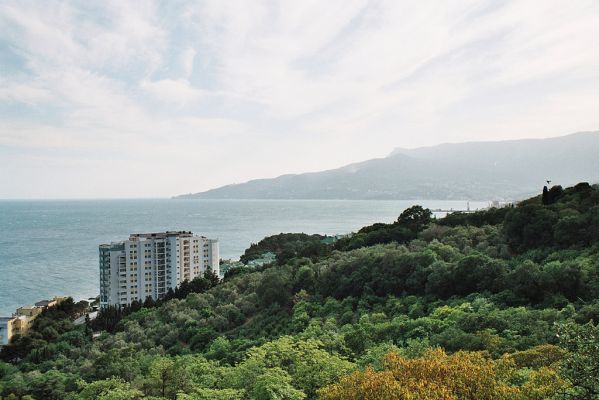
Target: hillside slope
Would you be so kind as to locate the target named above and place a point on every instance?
(490, 305)
(503, 170)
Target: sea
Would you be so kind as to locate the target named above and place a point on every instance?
(50, 247)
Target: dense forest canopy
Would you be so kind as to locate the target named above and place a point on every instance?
(496, 304)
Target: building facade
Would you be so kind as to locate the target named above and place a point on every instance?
(20, 321)
(149, 264)
(6, 330)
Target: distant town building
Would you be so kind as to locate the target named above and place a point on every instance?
(149, 264)
(265, 258)
(228, 265)
(20, 322)
(29, 311)
(11, 326)
(49, 303)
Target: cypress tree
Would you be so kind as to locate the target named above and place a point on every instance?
(88, 326)
(149, 302)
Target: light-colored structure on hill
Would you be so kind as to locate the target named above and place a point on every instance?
(7, 329)
(29, 311)
(21, 320)
(149, 264)
(50, 303)
(15, 325)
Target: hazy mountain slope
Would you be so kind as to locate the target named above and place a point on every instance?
(476, 170)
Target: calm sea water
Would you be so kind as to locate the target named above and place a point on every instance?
(50, 247)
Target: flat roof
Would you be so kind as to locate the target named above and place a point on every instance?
(152, 235)
(160, 234)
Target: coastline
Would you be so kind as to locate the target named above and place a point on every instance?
(67, 233)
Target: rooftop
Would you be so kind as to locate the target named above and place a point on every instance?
(151, 235)
(159, 235)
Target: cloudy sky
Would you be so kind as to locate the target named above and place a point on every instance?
(152, 99)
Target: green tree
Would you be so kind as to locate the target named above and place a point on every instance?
(275, 384)
(168, 376)
(213, 394)
(108, 389)
(274, 289)
(51, 385)
(545, 196)
(530, 226)
(219, 349)
(415, 218)
(581, 362)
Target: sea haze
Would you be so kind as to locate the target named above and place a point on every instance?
(50, 247)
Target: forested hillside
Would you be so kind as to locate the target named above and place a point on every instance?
(498, 304)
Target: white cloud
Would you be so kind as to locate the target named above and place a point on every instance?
(21, 92)
(261, 88)
(177, 91)
(187, 60)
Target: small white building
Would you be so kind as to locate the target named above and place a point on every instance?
(149, 264)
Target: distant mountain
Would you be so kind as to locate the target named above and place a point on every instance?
(501, 170)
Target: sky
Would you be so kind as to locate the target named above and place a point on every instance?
(118, 99)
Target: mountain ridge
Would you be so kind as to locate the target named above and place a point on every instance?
(469, 170)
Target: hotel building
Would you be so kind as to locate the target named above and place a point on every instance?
(20, 321)
(149, 264)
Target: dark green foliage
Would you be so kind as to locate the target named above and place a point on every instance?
(108, 319)
(581, 365)
(415, 218)
(287, 246)
(545, 196)
(493, 216)
(566, 218)
(236, 272)
(477, 273)
(551, 196)
(149, 302)
(274, 288)
(588, 312)
(530, 226)
(411, 222)
(197, 285)
(201, 338)
(554, 194)
(47, 327)
(499, 281)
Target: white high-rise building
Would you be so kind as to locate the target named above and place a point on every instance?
(149, 264)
